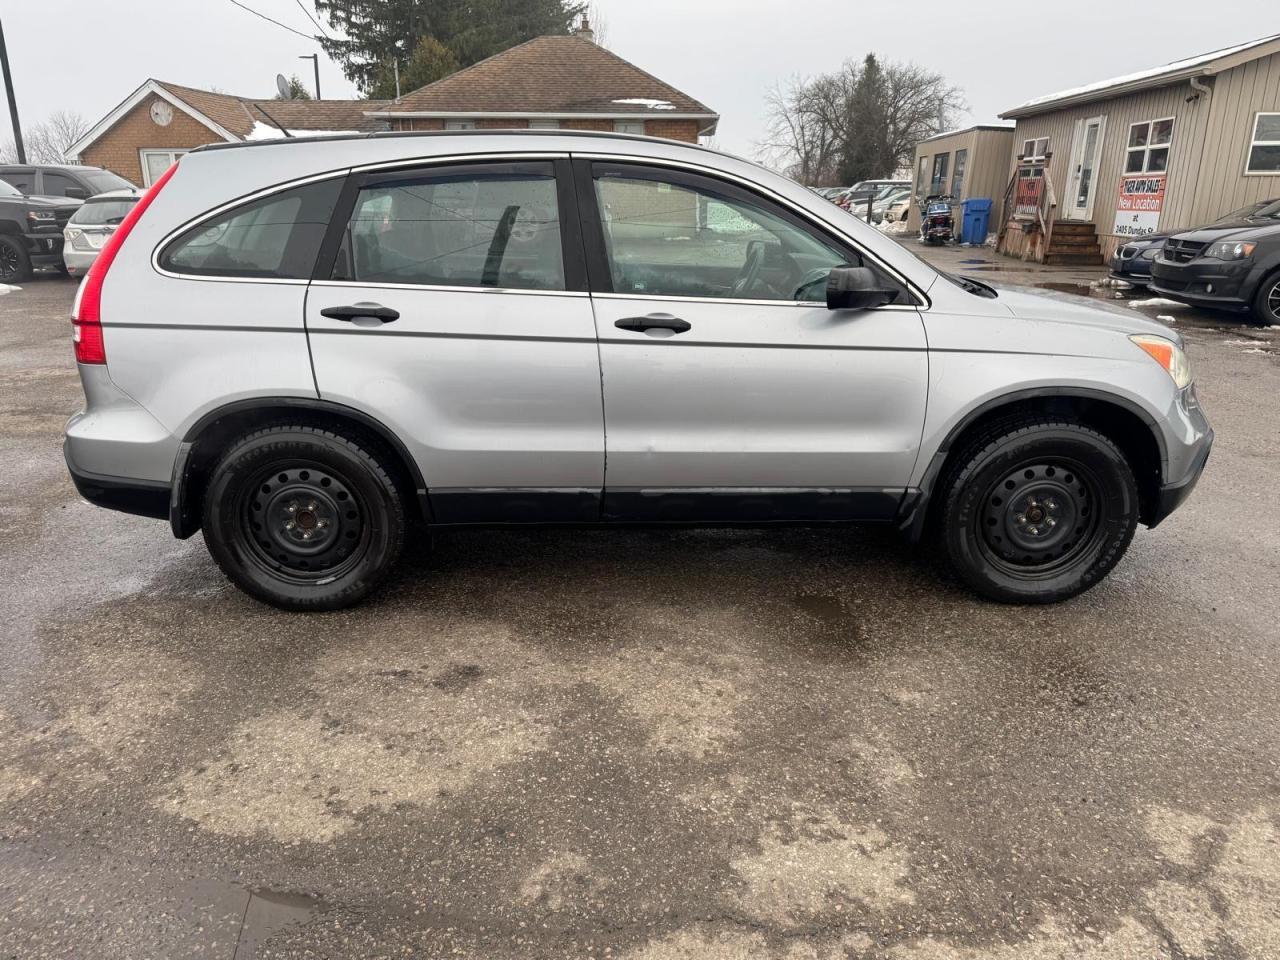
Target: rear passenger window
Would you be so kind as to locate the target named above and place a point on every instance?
(277, 237)
(495, 226)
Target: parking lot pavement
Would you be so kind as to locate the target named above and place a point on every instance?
(639, 744)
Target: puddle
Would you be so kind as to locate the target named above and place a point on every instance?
(1079, 289)
(270, 911)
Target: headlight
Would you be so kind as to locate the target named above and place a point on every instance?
(1228, 250)
(1168, 355)
(1149, 253)
(41, 216)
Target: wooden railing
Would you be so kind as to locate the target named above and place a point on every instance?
(1042, 214)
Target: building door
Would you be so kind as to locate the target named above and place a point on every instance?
(1082, 183)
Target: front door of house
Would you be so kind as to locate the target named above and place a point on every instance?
(1082, 183)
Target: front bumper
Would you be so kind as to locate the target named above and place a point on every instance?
(1188, 438)
(1173, 495)
(44, 249)
(1208, 283)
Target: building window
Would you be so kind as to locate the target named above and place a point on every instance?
(938, 185)
(544, 124)
(629, 126)
(922, 176)
(459, 124)
(1264, 149)
(1148, 150)
(1035, 149)
(957, 178)
(156, 162)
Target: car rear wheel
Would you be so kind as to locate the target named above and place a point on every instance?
(15, 265)
(304, 519)
(1038, 510)
(1266, 302)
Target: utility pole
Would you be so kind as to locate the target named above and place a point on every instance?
(13, 102)
(315, 62)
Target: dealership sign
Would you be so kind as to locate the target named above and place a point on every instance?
(1139, 206)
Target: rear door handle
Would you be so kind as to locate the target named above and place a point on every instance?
(375, 310)
(654, 321)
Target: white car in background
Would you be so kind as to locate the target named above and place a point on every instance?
(86, 232)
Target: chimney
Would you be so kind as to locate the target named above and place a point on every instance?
(584, 30)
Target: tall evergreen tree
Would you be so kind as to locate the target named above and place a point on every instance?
(377, 32)
(865, 154)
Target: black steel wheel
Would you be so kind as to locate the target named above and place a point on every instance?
(1037, 511)
(303, 518)
(15, 265)
(1266, 302)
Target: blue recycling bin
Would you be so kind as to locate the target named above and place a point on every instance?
(977, 214)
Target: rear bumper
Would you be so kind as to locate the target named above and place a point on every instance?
(78, 261)
(143, 498)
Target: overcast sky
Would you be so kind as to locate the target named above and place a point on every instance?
(87, 55)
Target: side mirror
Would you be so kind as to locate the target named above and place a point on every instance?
(77, 193)
(856, 288)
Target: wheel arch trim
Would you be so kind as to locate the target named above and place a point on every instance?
(181, 515)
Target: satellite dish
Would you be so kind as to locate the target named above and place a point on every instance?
(282, 85)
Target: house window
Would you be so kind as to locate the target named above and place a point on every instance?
(938, 185)
(957, 178)
(1264, 149)
(156, 162)
(922, 176)
(1035, 148)
(1148, 150)
(459, 124)
(544, 124)
(629, 126)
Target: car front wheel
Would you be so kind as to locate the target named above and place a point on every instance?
(304, 518)
(1038, 510)
(1266, 302)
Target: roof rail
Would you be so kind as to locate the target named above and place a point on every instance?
(399, 134)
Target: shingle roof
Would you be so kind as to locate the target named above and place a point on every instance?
(551, 75)
(237, 115)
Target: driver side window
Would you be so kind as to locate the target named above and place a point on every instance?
(668, 234)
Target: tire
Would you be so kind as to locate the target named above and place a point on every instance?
(1266, 302)
(1038, 510)
(303, 518)
(15, 265)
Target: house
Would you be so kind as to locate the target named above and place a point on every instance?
(552, 82)
(1169, 147)
(973, 162)
(160, 121)
(556, 82)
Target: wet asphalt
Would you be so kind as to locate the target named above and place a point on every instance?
(799, 744)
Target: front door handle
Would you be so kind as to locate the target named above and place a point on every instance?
(375, 310)
(654, 321)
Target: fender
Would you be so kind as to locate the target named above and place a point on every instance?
(914, 508)
(183, 517)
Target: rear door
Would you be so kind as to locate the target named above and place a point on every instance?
(450, 304)
(731, 392)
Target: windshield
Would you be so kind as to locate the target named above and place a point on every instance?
(102, 181)
(9, 190)
(99, 213)
(1262, 210)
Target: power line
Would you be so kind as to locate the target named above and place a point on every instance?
(303, 8)
(276, 22)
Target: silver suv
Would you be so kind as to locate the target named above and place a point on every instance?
(312, 349)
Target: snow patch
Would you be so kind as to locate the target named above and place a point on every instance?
(1157, 302)
(265, 131)
(1165, 318)
(8, 288)
(646, 102)
(1246, 343)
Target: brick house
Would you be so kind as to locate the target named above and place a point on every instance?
(554, 82)
(160, 121)
(557, 82)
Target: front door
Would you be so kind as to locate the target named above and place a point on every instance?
(456, 313)
(731, 392)
(1085, 149)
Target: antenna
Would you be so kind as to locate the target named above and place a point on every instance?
(283, 88)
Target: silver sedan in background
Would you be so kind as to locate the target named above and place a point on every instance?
(87, 231)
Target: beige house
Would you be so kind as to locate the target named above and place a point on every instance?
(968, 163)
(1165, 148)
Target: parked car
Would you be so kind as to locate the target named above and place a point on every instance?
(861, 191)
(89, 227)
(1132, 261)
(30, 233)
(899, 209)
(886, 199)
(314, 350)
(70, 181)
(1232, 264)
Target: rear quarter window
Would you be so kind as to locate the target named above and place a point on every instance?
(276, 237)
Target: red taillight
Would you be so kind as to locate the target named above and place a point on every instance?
(86, 315)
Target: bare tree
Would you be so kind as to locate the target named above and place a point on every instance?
(819, 127)
(49, 141)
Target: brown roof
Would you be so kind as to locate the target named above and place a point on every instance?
(563, 75)
(237, 115)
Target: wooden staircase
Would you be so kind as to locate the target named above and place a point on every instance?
(1073, 243)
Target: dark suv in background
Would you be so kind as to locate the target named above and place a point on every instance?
(31, 232)
(1233, 264)
(69, 181)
